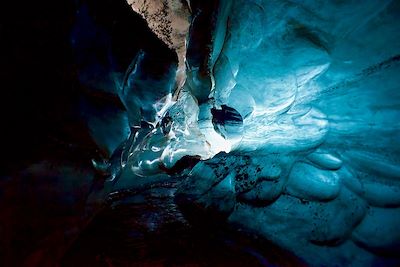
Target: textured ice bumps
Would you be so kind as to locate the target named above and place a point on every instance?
(316, 167)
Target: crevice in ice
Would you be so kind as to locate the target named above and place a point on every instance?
(227, 121)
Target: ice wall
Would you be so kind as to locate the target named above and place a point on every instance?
(294, 114)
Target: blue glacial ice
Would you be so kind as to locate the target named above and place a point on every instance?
(295, 123)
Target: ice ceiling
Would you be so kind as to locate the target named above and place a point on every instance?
(283, 117)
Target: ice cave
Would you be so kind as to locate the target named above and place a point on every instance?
(276, 119)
